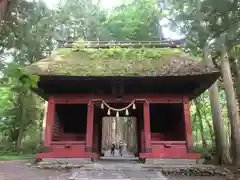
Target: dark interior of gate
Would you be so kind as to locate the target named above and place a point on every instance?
(167, 122)
(70, 122)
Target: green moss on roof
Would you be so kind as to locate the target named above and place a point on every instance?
(118, 62)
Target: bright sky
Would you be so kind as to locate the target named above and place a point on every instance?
(113, 3)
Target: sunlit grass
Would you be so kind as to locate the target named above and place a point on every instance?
(15, 156)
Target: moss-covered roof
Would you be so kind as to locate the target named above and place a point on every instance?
(119, 62)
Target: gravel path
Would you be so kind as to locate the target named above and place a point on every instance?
(19, 170)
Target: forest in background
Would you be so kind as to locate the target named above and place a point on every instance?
(30, 31)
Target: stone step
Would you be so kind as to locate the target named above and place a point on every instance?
(166, 161)
(119, 158)
(157, 166)
(68, 160)
(125, 153)
(112, 166)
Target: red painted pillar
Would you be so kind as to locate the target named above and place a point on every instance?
(142, 141)
(147, 131)
(188, 126)
(89, 133)
(49, 122)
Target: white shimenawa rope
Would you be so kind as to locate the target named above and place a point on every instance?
(121, 109)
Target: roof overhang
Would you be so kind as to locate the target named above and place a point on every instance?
(189, 85)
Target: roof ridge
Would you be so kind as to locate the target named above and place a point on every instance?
(123, 44)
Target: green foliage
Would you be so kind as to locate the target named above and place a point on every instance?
(27, 79)
(140, 24)
(23, 41)
(207, 20)
(16, 156)
(206, 120)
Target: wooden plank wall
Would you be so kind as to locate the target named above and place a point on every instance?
(56, 130)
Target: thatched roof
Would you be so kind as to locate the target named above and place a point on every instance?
(119, 62)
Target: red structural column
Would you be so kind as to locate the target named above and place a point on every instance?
(89, 133)
(49, 122)
(142, 141)
(188, 126)
(147, 131)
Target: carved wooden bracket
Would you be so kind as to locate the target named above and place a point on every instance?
(118, 89)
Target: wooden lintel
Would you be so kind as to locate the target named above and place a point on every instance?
(85, 99)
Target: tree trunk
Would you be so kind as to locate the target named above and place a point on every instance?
(218, 124)
(229, 132)
(44, 121)
(237, 82)
(204, 142)
(196, 132)
(209, 127)
(22, 122)
(210, 131)
(3, 7)
(231, 106)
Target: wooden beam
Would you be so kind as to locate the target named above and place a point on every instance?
(49, 122)
(89, 132)
(86, 98)
(188, 124)
(147, 131)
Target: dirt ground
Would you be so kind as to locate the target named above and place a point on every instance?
(20, 170)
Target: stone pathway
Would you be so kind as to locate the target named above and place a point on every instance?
(104, 170)
(128, 175)
(117, 175)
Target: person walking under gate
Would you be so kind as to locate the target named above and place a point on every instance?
(120, 148)
(113, 149)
